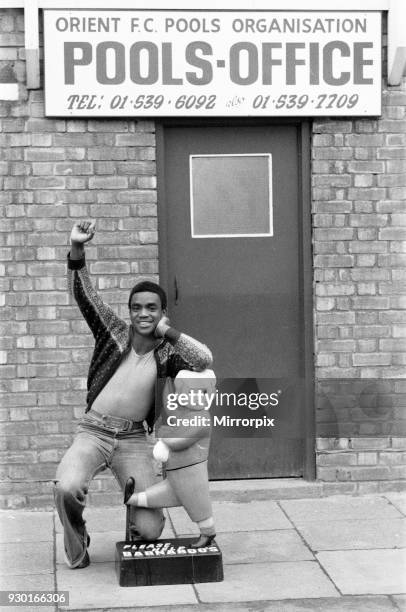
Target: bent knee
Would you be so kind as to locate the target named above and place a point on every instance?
(66, 488)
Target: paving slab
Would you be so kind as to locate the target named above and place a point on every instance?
(97, 587)
(19, 526)
(27, 608)
(357, 572)
(398, 500)
(235, 517)
(27, 582)
(182, 524)
(339, 508)
(26, 558)
(102, 545)
(263, 546)
(378, 603)
(354, 534)
(32, 582)
(400, 601)
(264, 581)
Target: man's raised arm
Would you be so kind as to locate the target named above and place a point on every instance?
(98, 315)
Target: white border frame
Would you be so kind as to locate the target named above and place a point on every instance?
(204, 5)
(267, 235)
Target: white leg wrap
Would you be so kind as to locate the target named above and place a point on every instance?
(209, 522)
(142, 499)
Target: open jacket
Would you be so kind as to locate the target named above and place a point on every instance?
(113, 336)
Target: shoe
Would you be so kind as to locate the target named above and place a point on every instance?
(85, 561)
(129, 489)
(203, 541)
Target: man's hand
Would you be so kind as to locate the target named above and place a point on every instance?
(82, 232)
(162, 327)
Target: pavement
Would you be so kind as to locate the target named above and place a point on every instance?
(332, 554)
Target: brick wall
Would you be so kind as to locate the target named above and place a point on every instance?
(54, 171)
(359, 231)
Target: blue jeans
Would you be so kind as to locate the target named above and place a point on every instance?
(95, 448)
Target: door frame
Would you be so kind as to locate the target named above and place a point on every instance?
(305, 247)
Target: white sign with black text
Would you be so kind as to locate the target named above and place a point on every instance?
(211, 63)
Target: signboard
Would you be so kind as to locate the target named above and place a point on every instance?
(211, 63)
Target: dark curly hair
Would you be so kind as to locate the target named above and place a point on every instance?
(152, 288)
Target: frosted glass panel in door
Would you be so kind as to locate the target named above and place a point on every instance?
(231, 195)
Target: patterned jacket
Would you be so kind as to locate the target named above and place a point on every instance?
(112, 335)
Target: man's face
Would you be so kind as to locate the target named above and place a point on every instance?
(145, 312)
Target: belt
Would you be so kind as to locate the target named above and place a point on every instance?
(117, 423)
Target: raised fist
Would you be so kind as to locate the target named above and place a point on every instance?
(82, 232)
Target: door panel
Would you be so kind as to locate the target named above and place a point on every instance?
(239, 295)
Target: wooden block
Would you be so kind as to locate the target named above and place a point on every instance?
(167, 561)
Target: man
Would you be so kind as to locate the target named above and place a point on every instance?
(125, 381)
